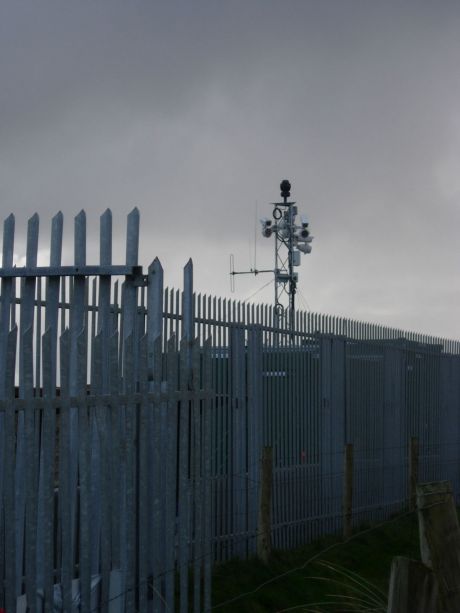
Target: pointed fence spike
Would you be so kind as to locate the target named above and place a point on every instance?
(155, 295)
(187, 305)
(57, 224)
(8, 241)
(32, 240)
(80, 238)
(105, 247)
(132, 238)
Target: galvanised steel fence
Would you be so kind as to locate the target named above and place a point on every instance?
(133, 417)
(104, 434)
(307, 392)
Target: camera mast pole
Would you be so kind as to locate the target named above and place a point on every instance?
(291, 239)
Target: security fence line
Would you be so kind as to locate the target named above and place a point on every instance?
(133, 418)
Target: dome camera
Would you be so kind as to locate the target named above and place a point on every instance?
(285, 188)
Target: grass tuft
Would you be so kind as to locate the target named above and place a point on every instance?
(351, 577)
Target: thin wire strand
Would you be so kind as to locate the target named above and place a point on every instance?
(311, 559)
(258, 290)
(286, 573)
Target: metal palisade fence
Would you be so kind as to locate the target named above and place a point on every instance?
(104, 433)
(133, 418)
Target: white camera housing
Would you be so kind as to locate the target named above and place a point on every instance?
(304, 247)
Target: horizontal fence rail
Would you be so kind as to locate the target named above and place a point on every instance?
(133, 419)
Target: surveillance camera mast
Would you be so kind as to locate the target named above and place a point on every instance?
(291, 239)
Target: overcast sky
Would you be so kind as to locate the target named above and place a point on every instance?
(194, 111)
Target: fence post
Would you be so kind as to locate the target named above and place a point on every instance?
(264, 532)
(255, 434)
(413, 472)
(440, 539)
(347, 490)
(413, 587)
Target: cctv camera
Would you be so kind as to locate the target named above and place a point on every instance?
(303, 233)
(304, 247)
(304, 221)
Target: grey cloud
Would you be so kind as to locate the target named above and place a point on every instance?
(194, 110)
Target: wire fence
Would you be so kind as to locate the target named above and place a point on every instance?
(280, 576)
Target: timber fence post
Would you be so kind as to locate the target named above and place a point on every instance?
(348, 491)
(413, 472)
(440, 540)
(264, 532)
(413, 587)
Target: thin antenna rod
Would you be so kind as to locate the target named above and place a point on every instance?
(232, 273)
(255, 235)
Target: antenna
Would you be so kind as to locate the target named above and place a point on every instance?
(255, 234)
(232, 273)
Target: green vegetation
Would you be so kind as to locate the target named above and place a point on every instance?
(351, 576)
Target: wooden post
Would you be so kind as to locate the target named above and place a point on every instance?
(347, 509)
(413, 588)
(264, 531)
(440, 539)
(413, 472)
